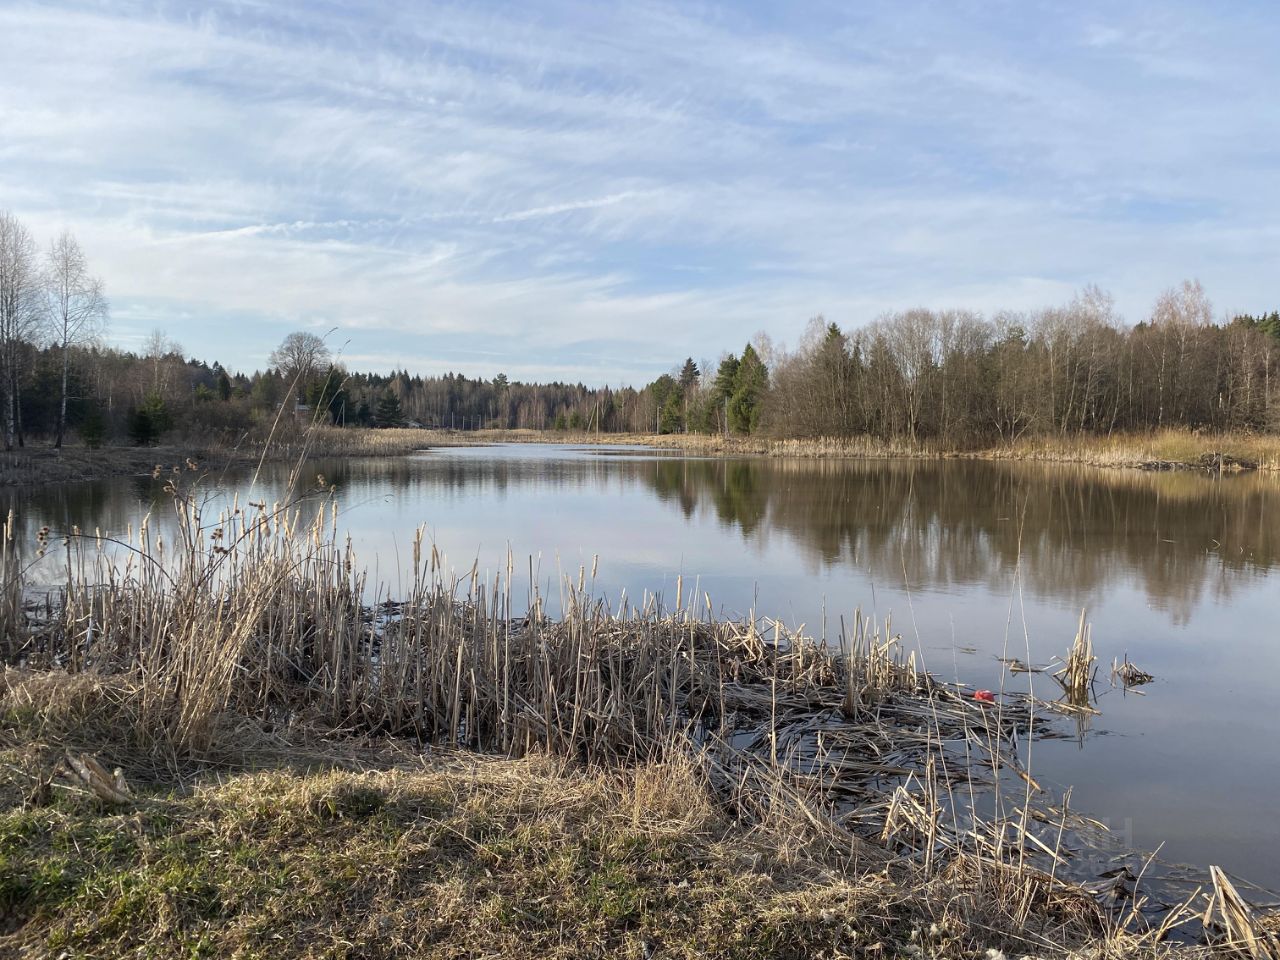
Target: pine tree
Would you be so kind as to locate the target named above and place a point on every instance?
(726, 378)
(671, 417)
(689, 374)
(749, 385)
(388, 412)
(721, 390)
(93, 427)
(149, 422)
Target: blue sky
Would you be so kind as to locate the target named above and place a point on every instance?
(593, 191)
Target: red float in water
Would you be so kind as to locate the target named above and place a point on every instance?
(986, 696)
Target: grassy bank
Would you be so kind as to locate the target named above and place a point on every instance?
(41, 464)
(1166, 449)
(347, 846)
(458, 855)
(1159, 450)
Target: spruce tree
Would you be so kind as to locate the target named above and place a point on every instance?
(689, 374)
(750, 383)
(388, 412)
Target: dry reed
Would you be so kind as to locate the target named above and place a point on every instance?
(1128, 673)
(258, 614)
(1163, 449)
(1079, 669)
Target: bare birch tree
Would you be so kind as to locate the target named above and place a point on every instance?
(76, 309)
(165, 356)
(19, 316)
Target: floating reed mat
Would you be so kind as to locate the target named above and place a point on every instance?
(255, 619)
(1129, 673)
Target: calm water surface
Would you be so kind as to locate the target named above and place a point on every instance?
(972, 561)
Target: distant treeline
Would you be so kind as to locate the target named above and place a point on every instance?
(919, 375)
(147, 395)
(951, 377)
(955, 376)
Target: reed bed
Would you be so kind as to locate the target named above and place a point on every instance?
(259, 623)
(1163, 449)
(701, 444)
(260, 614)
(1158, 449)
(1170, 448)
(1131, 455)
(291, 442)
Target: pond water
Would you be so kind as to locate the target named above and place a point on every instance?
(972, 560)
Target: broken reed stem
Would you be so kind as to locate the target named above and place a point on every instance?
(10, 588)
(1078, 672)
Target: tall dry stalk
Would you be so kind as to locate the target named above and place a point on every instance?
(874, 664)
(1079, 670)
(11, 615)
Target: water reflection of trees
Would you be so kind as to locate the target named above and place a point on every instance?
(942, 525)
(107, 505)
(1075, 530)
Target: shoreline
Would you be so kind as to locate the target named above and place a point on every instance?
(1168, 450)
(76, 464)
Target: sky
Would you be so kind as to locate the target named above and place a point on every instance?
(593, 191)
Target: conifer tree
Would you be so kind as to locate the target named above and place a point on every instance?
(388, 412)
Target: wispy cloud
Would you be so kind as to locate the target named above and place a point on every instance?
(571, 206)
(650, 179)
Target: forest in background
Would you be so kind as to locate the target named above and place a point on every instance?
(943, 376)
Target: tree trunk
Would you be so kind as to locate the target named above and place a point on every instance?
(62, 407)
(16, 394)
(8, 419)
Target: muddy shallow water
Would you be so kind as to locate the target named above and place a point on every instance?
(973, 561)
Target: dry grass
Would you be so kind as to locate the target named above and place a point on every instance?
(697, 444)
(287, 443)
(327, 441)
(1161, 448)
(1169, 448)
(464, 856)
(1166, 449)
